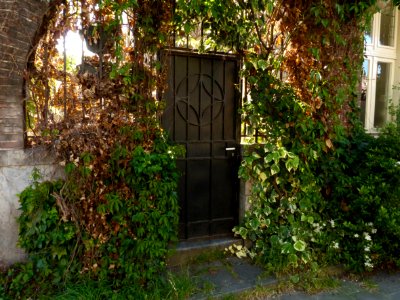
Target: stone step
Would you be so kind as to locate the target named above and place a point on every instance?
(187, 251)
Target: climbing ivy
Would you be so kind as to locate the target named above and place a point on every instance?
(301, 63)
(115, 215)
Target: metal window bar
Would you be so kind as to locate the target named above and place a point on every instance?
(65, 65)
(45, 109)
(248, 135)
(101, 46)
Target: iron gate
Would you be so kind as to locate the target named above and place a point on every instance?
(201, 114)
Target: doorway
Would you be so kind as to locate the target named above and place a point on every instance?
(202, 115)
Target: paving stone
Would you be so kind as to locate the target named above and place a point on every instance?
(336, 297)
(229, 277)
(297, 296)
(233, 276)
(388, 283)
(394, 296)
(364, 295)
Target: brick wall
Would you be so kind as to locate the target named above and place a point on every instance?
(19, 22)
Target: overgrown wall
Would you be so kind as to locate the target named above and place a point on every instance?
(19, 23)
(16, 167)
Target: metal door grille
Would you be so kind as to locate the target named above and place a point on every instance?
(201, 114)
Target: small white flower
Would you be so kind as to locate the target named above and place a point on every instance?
(373, 230)
(370, 224)
(356, 235)
(368, 265)
(332, 223)
(367, 236)
(335, 245)
(367, 249)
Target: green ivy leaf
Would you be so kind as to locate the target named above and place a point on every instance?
(300, 246)
(287, 248)
(276, 156)
(254, 224)
(262, 64)
(282, 153)
(263, 176)
(292, 258)
(292, 164)
(69, 167)
(275, 169)
(243, 232)
(267, 210)
(295, 278)
(268, 158)
(187, 28)
(274, 240)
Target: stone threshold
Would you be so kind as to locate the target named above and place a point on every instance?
(186, 251)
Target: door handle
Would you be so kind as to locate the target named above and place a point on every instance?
(230, 151)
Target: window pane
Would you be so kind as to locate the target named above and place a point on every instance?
(364, 89)
(382, 93)
(386, 35)
(368, 34)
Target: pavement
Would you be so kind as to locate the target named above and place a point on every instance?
(234, 278)
(228, 277)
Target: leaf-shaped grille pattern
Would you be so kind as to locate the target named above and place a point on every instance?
(210, 93)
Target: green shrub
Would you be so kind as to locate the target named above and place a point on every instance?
(282, 217)
(316, 200)
(363, 197)
(136, 221)
(344, 207)
(146, 222)
(285, 195)
(48, 239)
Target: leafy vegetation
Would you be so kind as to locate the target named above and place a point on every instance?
(115, 216)
(129, 234)
(322, 190)
(364, 199)
(320, 185)
(48, 240)
(171, 286)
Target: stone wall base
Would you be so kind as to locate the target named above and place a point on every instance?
(16, 168)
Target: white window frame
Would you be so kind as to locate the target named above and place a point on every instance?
(374, 53)
(371, 90)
